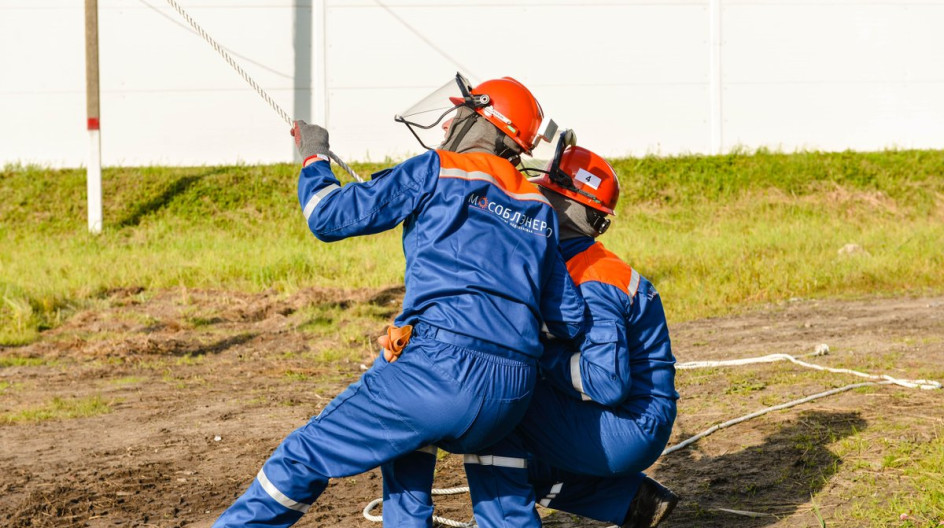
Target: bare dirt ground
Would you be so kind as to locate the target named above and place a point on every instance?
(201, 386)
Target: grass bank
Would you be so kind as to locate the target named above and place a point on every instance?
(714, 233)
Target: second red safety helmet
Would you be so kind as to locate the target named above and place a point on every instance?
(594, 180)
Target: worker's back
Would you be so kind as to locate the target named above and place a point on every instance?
(480, 250)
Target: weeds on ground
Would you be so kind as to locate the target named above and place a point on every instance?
(909, 467)
(59, 409)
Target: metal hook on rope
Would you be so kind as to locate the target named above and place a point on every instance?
(255, 86)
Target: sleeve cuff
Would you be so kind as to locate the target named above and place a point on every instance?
(311, 159)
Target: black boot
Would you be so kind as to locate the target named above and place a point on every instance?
(652, 503)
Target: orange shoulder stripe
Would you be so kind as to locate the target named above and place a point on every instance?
(599, 264)
(482, 166)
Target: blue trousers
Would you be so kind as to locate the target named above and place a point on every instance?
(502, 495)
(577, 456)
(588, 459)
(451, 395)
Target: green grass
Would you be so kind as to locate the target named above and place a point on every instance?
(14, 361)
(714, 233)
(59, 409)
(734, 231)
(912, 472)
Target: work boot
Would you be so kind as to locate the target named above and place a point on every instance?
(652, 503)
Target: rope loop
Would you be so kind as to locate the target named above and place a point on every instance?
(436, 519)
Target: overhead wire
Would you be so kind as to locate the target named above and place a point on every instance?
(422, 37)
(177, 23)
(246, 77)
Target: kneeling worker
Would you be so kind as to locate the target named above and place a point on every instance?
(604, 411)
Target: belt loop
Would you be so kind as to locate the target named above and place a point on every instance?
(426, 330)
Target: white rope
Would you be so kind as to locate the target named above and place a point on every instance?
(911, 384)
(762, 412)
(822, 350)
(450, 491)
(885, 380)
(255, 86)
(436, 519)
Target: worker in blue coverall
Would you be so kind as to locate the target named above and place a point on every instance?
(602, 411)
(483, 273)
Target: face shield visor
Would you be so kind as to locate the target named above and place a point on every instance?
(430, 118)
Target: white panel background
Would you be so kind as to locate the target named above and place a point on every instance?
(632, 77)
(833, 75)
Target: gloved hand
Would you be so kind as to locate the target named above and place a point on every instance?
(311, 140)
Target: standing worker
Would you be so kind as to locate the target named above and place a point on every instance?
(483, 272)
(603, 409)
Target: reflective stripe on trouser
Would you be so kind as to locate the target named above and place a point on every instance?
(601, 453)
(550, 495)
(498, 484)
(604, 499)
(435, 393)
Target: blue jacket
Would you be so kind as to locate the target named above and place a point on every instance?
(480, 242)
(625, 359)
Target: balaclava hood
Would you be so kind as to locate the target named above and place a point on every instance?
(572, 216)
(469, 132)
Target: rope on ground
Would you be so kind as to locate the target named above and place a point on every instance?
(255, 86)
(884, 380)
(436, 519)
(746, 417)
(911, 384)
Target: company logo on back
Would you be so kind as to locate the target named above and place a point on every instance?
(512, 217)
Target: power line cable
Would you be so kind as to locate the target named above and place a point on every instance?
(422, 37)
(246, 77)
(229, 50)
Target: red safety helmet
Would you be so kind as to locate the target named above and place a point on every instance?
(582, 176)
(509, 105)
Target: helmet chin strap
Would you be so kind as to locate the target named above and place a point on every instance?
(503, 150)
(458, 130)
(472, 133)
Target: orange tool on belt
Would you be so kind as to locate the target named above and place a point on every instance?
(394, 341)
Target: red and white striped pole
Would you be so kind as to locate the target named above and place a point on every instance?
(94, 171)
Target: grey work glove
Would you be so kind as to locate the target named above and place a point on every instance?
(311, 140)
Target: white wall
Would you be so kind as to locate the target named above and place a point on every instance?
(632, 77)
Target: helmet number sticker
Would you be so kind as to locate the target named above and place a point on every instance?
(587, 178)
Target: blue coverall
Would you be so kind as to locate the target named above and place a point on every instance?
(483, 271)
(601, 412)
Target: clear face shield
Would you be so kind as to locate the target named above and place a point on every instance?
(430, 118)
